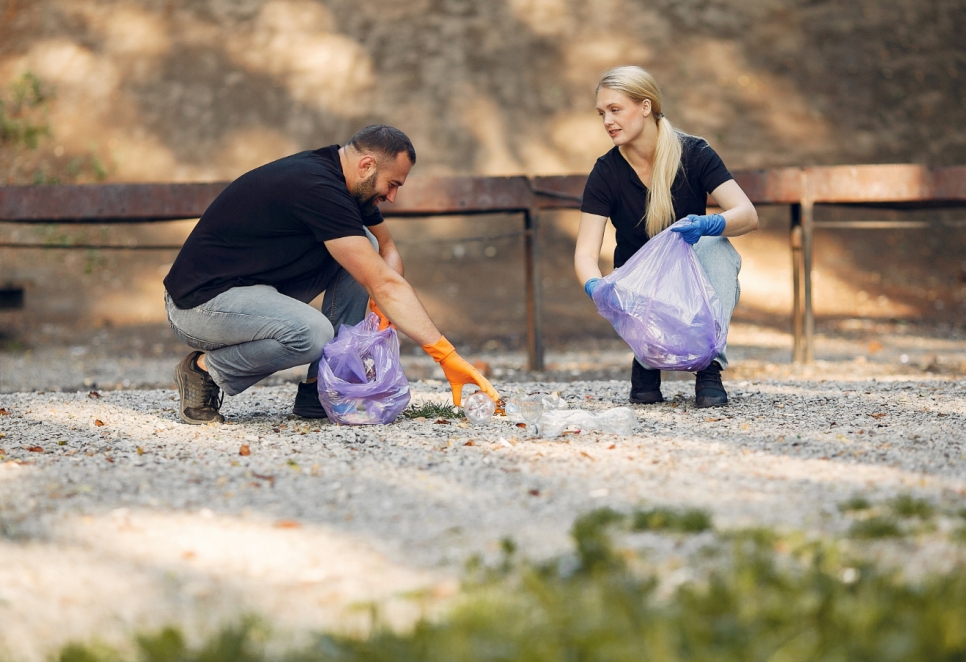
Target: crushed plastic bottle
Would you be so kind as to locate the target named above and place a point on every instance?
(619, 420)
(478, 408)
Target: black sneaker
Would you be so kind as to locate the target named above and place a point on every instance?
(645, 385)
(708, 389)
(200, 396)
(307, 403)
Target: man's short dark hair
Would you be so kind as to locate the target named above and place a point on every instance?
(384, 140)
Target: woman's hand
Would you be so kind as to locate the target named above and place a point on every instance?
(590, 286)
(709, 225)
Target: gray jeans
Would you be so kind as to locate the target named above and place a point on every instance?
(721, 263)
(249, 333)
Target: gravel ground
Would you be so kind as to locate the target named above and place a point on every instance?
(114, 516)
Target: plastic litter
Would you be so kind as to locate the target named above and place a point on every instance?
(478, 408)
(361, 381)
(663, 305)
(619, 420)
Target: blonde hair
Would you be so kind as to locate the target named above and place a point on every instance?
(639, 85)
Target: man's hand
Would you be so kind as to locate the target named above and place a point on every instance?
(710, 225)
(458, 371)
(384, 322)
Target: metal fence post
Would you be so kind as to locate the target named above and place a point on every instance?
(531, 261)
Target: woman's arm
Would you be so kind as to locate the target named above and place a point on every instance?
(739, 214)
(590, 237)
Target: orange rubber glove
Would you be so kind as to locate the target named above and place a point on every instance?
(383, 320)
(458, 371)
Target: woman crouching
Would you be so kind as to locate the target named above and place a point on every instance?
(652, 177)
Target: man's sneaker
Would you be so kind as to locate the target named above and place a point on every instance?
(645, 385)
(200, 396)
(307, 403)
(708, 389)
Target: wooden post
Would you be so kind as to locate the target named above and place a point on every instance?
(808, 224)
(795, 242)
(531, 264)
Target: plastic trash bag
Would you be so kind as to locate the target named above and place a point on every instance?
(663, 305)
(361, 381)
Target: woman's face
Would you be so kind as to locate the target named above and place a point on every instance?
(623, 117)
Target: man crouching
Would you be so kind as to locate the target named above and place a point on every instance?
(271, 242)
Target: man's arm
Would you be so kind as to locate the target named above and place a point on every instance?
(396, 298)
(387, 247)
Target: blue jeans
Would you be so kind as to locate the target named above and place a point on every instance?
(721, 263)
(249, 333)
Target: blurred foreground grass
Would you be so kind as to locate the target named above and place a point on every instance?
(754, 595)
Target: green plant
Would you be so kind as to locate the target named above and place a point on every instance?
(855, 503)
(23, 112)
(432, 410)
(691, 520)
(875, 527)
(905, 505)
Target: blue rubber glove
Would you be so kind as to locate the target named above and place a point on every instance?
(710, 225)
(590, 286)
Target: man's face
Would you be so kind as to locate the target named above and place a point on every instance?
(382, 183)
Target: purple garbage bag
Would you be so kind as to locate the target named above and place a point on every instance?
(663, 305)
(361, 381)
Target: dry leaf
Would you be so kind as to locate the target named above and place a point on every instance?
(745, 427)
(287, 524)
(93, 394)
(4, 412)
(712, 420)
(534, 492)
(878, 415)
(612, 447)
(521, 425)
(98, 423)
(245, 450)
(34, 449)
(109, 459)
(589, 457)
(270, 479)
(140, 450)
(442, 421)
(875, 346)
(469, 443)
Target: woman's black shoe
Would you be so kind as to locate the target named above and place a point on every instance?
(645, 385)
(708, 389)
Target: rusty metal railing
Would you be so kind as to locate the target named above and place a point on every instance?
(801, 189)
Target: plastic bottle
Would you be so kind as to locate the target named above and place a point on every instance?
(478, 408)
(619, 420)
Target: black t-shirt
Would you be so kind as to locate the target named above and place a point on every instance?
(615, 191)
(267, 228)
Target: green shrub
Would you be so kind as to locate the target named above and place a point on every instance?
(905, 505)
(875, 527)
(691, 520)
(855, 503)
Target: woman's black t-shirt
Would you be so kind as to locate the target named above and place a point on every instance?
(267, 228)
(615, 191)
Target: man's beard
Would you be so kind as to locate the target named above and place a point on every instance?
(365, 194)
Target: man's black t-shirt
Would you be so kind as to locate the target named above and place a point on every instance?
(615, 191)
(267, 228)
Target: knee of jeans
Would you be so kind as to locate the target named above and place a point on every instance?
(307, 341)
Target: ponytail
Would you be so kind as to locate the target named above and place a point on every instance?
(667, 160)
